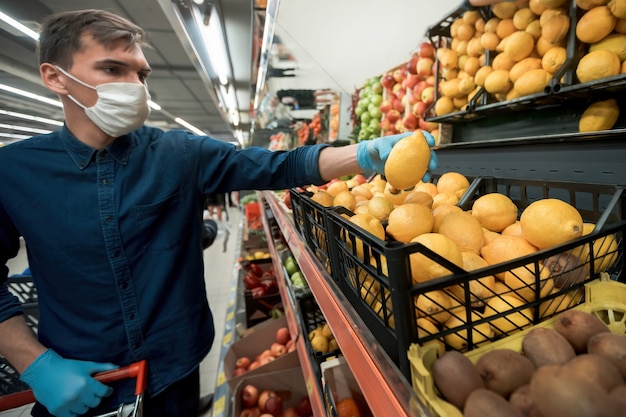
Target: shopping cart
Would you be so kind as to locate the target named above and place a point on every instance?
(136, 370)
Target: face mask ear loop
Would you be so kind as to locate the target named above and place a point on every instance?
(71, 77)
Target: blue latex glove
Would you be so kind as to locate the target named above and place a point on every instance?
(65, 386)
(372, 154)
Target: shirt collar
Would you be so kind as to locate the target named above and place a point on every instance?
(83, 155)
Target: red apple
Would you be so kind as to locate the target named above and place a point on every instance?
(266, 415)
(385, 124)
(428, 95)
(430, 80)
(251, 412)
(385, 106)
(398, 75)
(412, 99)
(387, 81)
(396, 87)
(411, 80)
(399, 127)
(398, 106)
(274, 406)
(411, 66)
(419, 109)
(410, 122)
(282, 335)
(255, 364)
(287, 199)
(428, 126)
(426, 50)
(290, 412)
(249, 395)
(393, 116)
(419, 87)
(278, 349)
(266, 360)
(242, 362)
(239, 371)
(360, 178)
(263, 397)
(425, 67)
(303, 408)
(265, 354)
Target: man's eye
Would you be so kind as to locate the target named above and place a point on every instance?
(110, 70)
(143, 77)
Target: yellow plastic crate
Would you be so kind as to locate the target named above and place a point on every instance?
(603, 297)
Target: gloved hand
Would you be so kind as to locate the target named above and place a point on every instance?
(65, 386)
(372, 154)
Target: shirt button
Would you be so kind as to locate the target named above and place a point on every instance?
(116, 253)
(125, 285)
(105, 182)
(136, 345)
(131, 317)
(108, 219)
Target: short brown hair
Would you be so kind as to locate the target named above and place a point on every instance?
(61, 33)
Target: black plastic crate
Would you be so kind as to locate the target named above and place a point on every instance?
(23, 287)
(375, 276)
(10, 379)
(309, 218)
(312, 318)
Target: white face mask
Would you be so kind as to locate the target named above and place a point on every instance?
(120, 108)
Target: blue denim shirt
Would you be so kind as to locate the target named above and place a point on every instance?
(114, 242)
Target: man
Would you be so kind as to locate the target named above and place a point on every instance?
(111, 213)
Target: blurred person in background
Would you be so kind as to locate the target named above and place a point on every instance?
(111, 213)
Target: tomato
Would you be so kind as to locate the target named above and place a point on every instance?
(270, 285)
(251, 281)
(255, 269)
(258, 292)
(348, 408)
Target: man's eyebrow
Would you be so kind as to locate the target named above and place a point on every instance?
(111, 61)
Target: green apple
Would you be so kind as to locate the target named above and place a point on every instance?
(298, 279)
(291, 265)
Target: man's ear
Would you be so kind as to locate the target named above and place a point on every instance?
(51, 78)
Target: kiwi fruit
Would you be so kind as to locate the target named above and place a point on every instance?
(611, 346)
(596, 369)
(523, 402)
(558, 392)
(456, 377)
(504, 370)
(578, 326)
(545, 346)
(486, 403)
(619, 394)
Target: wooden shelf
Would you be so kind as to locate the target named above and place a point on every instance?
(386, 391)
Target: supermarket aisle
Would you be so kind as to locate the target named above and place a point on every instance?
(219, 262)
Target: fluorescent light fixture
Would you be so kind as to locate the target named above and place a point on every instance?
(30, 95)
(153, 105)
(24, 128)
(214, 44)
(13, 136)
(189, 126)
(31, 117)
(17, 25)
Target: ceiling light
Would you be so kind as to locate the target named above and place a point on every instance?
(33, 96)
(153, 105)
(189, 126)
(24, 128)
(215, 45)
(199, 2)
(13, 136)
(17, 25)
(30, 117)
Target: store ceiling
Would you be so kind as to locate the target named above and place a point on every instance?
(334, 45)
(175, 82)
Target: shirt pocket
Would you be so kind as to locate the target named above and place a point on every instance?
(160, 225)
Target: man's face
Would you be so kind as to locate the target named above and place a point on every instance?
(95, 64)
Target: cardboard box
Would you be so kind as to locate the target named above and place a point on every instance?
(338, 383)
(259, 338)
(288, 384)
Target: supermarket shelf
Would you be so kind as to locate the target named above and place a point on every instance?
(292, 315)
(386, 391)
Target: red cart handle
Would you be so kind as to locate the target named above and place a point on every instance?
(134, 370)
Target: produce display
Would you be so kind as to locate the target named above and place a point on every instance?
(571, 367)
(258, 402)
(259, 281)
(282, 344)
